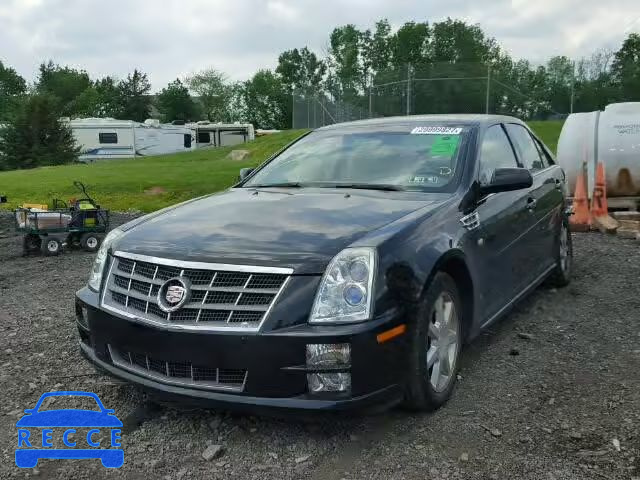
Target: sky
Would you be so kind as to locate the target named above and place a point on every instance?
(170, 39)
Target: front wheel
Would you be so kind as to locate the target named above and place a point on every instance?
(561, 275)
(436, 343)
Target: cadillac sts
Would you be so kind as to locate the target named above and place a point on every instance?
(347, 271)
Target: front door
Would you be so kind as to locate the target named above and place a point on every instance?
(499, 241)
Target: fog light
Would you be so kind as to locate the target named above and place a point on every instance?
(329, 355)
(329, 382)
(82, 315)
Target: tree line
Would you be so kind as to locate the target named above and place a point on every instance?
(368, 69)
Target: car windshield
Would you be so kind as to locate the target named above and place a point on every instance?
(415, 158)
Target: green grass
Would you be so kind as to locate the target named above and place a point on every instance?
(548, 131)
(122, 185)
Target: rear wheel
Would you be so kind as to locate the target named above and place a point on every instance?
(436, 343)
(51, 246)
(31, 243)
(90, 242)
(561, 275)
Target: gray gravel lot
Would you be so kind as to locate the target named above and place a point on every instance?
(546, 394)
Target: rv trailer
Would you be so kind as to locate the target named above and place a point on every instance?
(108, 138)
(209, 134)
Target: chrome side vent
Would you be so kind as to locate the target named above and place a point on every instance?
(471, 221)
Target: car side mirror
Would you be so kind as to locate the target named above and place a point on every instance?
(506, 180)
(245, 172)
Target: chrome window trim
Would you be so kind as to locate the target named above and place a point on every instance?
(535, 173)
(203, 265)
(176, 327)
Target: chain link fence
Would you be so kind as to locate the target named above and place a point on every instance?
(314, 110)
(439, 88)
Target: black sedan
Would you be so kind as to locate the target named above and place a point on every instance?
(347, 271)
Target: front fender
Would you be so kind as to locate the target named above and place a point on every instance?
(409, 260)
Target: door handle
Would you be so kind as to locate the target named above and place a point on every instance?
(558, 184)
(531, 204)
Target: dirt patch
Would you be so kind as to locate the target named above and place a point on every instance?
(238, 155)
(155, 191)
(573, 389)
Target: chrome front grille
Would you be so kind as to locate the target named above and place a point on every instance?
(221, 297)
(182, 373)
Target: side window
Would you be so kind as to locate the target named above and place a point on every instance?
(108, 137)
(187, 140)
(529, 151)
(495, 152)
(546, 159)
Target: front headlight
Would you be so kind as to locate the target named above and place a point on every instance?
(101, 258)
(345, 294)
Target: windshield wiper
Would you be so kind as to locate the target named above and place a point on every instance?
(369, 186)
(276, 185)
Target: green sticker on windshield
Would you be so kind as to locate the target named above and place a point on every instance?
(445, 145)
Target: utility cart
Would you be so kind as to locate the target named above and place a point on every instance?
(81, 223)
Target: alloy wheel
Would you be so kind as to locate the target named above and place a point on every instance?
(442, 342)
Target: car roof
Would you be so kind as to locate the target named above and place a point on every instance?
(465, 119)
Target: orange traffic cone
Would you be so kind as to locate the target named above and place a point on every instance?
(581, 219)
(599, 207)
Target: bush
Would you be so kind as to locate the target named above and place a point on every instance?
(35, 136)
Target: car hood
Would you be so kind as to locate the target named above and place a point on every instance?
(69, 418)
(301, 229)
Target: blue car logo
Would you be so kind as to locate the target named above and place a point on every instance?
(36, 433)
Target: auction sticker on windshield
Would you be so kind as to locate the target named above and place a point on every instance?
(436, 131)
(445, 145)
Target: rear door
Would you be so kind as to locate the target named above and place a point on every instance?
(545, 196)
(499, 242)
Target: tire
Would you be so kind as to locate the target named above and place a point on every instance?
(31, 243)
(425, 389)
(51, 246)
(561, 275)
(73, 240)
(90, 242)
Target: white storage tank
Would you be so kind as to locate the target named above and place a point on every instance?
(611, 137)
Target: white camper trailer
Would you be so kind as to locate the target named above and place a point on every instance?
(107, 138)
(209, 134)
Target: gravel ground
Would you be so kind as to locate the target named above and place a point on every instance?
(551, 392)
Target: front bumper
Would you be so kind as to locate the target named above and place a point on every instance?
(274, 361)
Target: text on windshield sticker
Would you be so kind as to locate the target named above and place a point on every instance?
(436, 131)
(419, 179)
